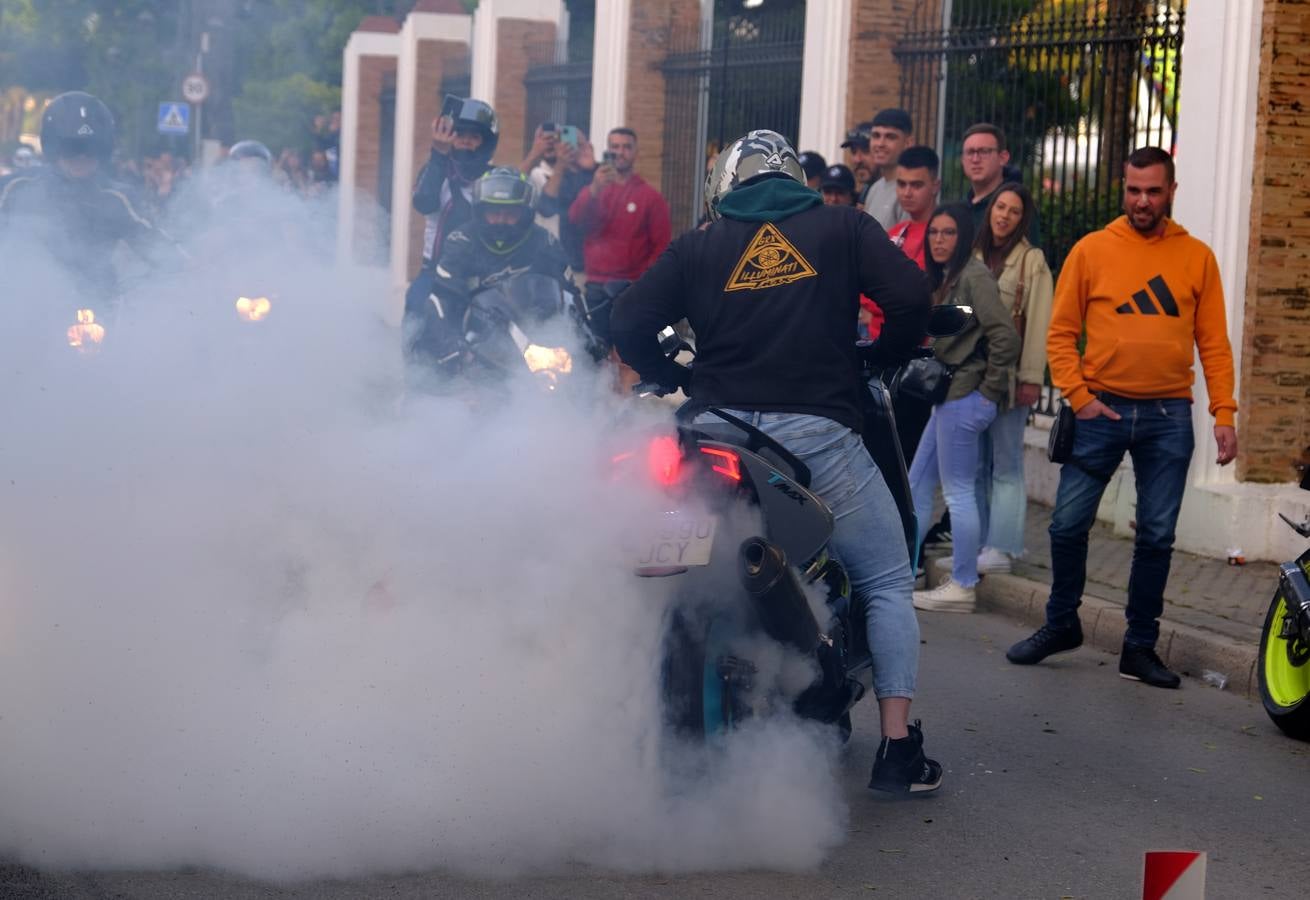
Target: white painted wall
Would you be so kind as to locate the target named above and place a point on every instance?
(361, 43)
(609, 68)
(824, 74)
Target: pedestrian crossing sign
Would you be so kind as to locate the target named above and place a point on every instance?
(174, 118)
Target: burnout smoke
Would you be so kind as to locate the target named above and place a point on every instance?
(258, 613)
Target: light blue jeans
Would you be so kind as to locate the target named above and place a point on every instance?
(867, 538)
(948, 456)
(1002, 497)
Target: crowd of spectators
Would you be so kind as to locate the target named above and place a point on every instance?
(308, 168)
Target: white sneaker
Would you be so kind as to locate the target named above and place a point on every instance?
(949, 596)
(994, 562)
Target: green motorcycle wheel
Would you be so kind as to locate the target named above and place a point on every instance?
(1284, 674)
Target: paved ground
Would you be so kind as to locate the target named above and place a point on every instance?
(1058, 778)
(1213, 611)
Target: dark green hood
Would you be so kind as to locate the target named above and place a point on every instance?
(768, 200)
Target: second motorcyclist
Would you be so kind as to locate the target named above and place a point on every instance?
(72, 209)
(501, 240)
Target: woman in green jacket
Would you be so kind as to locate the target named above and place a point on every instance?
(1024, 281)
(982, 358)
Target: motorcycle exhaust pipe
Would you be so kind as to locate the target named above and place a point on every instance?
(777, 594)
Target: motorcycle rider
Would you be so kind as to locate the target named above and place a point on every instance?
(71, 208)
(501, 240)
(252, 156)
(463, 142)
(243, 212)
(771, 288)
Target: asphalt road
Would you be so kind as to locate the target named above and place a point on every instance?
(1058, 778)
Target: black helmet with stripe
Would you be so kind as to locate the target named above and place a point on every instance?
(77, 124)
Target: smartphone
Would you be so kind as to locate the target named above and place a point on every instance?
(569, 135)
(607, 157)
(548, 126)
(451, 106)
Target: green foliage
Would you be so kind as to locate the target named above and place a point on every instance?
(279, 111)
(285, 57)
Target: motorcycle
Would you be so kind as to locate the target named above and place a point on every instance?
(1284, 662)
(509, 327)
(748, 541)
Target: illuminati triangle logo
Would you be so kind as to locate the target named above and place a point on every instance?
(769, 261)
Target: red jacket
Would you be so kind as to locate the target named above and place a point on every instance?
(911, 236)
(626, 228)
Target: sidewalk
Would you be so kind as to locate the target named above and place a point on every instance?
(1212, 614)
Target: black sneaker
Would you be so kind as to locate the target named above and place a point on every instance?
(901, 768)
(1141, 664)
(1045, 641)
(939, 535)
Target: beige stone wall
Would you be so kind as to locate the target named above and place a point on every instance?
(1274, 384)
(518, 42)
(434, 59)
(655, 28)
(874, 76)
(375, 73)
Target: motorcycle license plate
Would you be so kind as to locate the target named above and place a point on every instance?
(681, 540)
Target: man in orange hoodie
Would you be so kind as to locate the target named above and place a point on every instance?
(1146, 292)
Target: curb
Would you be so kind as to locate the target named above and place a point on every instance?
(1186, 649)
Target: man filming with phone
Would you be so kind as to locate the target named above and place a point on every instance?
(625, 226)
(560, 165)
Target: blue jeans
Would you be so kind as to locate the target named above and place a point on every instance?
(948, 455)
(867, 538)
(1002, 497)
(1157, 434)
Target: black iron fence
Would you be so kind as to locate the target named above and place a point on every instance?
(742, 72)
(559, 93)
(558, 80)
(1076, 85)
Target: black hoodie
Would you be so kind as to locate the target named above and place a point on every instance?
(772, 291)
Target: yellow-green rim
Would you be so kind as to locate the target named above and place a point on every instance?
(1286, 684)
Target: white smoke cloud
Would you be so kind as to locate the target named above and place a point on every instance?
(259, 612)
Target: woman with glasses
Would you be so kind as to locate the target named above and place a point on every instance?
(981, 359)
(1026, 289)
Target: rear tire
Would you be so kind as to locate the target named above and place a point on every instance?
(1284, 674)
(698, 702)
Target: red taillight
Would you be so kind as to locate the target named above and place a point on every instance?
(665, 460)
(727, 463)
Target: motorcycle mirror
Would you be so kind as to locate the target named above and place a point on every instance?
(671, 343)
(948, 319)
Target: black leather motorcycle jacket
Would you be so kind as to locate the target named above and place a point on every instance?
(79, 222)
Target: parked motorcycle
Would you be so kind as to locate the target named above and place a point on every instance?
(748, 541)
(1284, 665)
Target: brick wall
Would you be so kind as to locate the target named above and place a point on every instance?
(518, 43)
(375, 73)
(654, 27)
(1274, 384)
(874, 76)
(433, 58)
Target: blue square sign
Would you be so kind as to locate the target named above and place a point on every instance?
(174, 118)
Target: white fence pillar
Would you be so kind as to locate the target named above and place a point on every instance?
(1216, 138)
(609, 82)
(824, 77)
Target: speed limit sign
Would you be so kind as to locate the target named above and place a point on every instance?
(195, 88)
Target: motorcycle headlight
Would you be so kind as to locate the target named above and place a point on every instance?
(86, 335)
(253, 309)
(555, 360)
